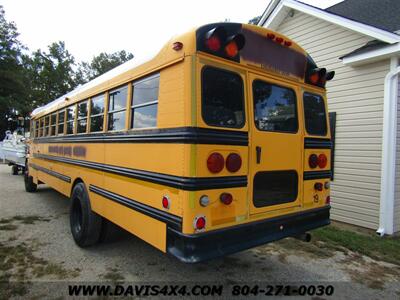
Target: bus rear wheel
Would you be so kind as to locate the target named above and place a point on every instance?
(30, 186)
(85, 224)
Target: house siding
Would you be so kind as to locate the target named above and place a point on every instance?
(397, 186)
(356, 95)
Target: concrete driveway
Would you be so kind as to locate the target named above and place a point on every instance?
(38, 257)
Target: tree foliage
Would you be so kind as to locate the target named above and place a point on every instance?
(12, 87)
(29, 80)
(102, 63)
(52, 74)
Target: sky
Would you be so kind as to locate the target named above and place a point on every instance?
(90, 27)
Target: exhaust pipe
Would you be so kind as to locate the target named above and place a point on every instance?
(305, 237)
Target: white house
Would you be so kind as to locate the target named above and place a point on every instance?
(359, 40)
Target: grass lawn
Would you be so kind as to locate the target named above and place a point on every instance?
(382, 248)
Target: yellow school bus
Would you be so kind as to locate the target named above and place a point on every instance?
(217, 144)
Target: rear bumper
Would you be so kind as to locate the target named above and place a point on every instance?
(208, 245)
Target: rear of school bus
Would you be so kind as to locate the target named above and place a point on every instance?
(263, 171)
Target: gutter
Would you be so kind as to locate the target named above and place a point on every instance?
(388, 168)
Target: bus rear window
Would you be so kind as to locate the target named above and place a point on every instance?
(222, 98)
(314, 113)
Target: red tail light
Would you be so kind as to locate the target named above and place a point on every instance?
(234, 45)
(233, 162)
(215, 38)
(288, 43)
(279, 40)
(271, 36)
(226, 198)
(215, 162)
(213, 43)
(322, 161)
(314, 78)
(165, 202)
(200, 222)
(313, 161)
(231, 49)
(318, 186)
(328, 200)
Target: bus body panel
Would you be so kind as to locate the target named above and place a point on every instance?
(128, 173)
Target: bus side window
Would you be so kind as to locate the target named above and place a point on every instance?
(314, 114)
(41, 126)
(82, 117)
(70, 119)
(53, 119)
(61, 119)
(117, 109)
(97, 113)
(222, 98)
(145, 102)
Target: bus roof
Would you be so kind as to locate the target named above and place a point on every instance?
(191, 43)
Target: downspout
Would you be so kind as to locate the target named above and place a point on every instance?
(388, 168)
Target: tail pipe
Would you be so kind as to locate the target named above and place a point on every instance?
(305, 237)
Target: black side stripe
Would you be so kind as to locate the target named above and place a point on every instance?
(314, 143)
(52, 173)
(173, 221)
(309, 175)
(182, 135)
(183, 183)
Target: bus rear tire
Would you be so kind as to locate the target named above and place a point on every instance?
(14, 170)
(85, 224)
(30, 186)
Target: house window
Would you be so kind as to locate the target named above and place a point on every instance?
(117, 109)
(53, 119)
(61, 119)
(70, 119)
(145, 102)
(82, 117)
(97, 113)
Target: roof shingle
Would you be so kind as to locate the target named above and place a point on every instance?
(383, 14)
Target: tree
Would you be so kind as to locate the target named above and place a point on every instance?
(12, 79)
(102, 63)
(51, 74)
(255, 20)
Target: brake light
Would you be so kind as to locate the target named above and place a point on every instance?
(270, 36)
(165, 202)
(322, 161)
(314, 78)
(328, 200)
(234, 44)
(318, 186)
(215, 162)
(233, 162)
(213, 43)
(215, 38)
(231, 49)
(226, 198)
(279, 40)
(313, 161)
(199, 222)
(288, 43)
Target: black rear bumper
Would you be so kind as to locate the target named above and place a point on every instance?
(208, 245)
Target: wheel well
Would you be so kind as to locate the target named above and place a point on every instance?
(76, 181)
